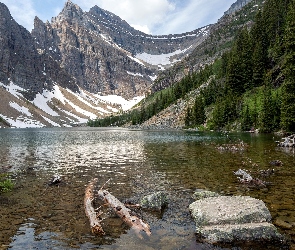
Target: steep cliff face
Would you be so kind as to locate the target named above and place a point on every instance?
(105, 54)
(23, 64)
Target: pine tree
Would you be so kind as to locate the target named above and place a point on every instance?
(239, 72)
(267, 116)
(199, 111)
(246, 123)
(188, 117)
(288, 90)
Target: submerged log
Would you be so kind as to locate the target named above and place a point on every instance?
(125, 213)
(90, 212)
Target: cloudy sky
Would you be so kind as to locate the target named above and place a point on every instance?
(150, 16)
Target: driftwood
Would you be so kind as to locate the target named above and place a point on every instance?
(124, 213)
(90, 212)
(288, 141)
(249, 181)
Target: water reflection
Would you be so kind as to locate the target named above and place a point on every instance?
(138, 163)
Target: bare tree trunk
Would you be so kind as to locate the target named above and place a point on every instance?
(90, 212)
(124, 213)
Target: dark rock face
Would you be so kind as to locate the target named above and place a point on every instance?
(22, 63)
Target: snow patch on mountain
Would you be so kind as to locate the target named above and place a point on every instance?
(126, 104)
(163, 59)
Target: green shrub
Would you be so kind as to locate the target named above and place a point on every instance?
(6, 184)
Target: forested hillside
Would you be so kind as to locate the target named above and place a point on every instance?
(251, 85)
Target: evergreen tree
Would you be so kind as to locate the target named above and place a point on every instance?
(267, 117)
(246, 123)
(288, 90)
(199, 111)
(239, 72)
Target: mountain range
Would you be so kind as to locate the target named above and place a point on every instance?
(84, 65)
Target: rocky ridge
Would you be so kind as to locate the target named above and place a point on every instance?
(105, 54)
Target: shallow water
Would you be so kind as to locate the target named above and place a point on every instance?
(37, 216)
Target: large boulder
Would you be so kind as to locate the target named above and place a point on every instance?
(227, 219)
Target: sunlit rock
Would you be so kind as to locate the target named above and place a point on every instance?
(226, 219)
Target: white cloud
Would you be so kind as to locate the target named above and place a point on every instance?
(143, 14)
(192, 15)
(144, 28)
(150, 16)
(22, 11)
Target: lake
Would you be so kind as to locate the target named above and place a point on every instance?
(137, 162)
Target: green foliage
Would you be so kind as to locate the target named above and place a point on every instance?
(6, 184)
(267, 116)
(288, 100)
(195, 116)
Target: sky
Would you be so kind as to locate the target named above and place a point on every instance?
(157, 17)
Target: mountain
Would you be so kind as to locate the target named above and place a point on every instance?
(63, 71)
(35, 90)
(236, 6)
(105, 54)
(172, 102)
(70, 70)
(240, 78)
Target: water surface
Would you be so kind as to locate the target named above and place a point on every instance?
(37, 216)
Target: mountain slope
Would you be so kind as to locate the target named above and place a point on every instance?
(220, 39)
(35, 91)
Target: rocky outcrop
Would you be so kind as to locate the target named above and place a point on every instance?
(23, 64)
(229, 219)
(236, 6)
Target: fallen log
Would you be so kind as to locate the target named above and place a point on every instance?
(93, 217)
(125, 213)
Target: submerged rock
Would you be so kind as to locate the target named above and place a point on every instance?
(155, 201)
(227, 219)
(201, 194)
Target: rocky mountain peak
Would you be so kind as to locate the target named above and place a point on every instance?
(4, 10)
(69, 12)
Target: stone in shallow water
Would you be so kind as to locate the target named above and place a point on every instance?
(201, 194)
(226, 219)
(154, 201)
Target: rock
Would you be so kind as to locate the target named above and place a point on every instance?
(226, 219)
(55, 180)
(277, 163)
(201, 194)
(154, 201)
(236, 6)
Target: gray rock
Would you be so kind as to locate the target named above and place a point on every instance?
(154, 201)
(225, 219)
(202, 194)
